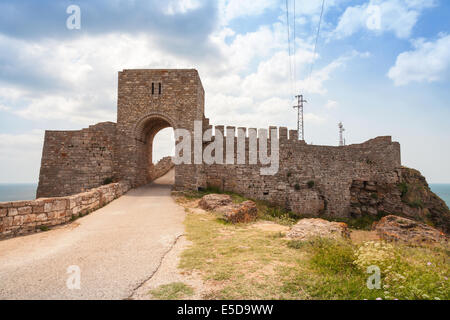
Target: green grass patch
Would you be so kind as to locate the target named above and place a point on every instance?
(172, 291)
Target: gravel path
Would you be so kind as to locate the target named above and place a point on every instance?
(117, 249)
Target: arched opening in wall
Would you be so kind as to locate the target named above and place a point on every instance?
(156, 145)
(163, 149)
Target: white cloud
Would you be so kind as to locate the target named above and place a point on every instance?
(428, 62)
(232, 9)
(379, 16)
(331, 104)
(180, 6)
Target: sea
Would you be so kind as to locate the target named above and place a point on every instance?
(27, 191)
(442, 190)
(17, 191)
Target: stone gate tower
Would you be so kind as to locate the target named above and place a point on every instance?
(148, 100)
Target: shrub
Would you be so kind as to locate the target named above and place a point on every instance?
(376, 253)
(416, 204)
(310, 184)
(297, 186)
(407, 273)
(403, 187)
(108, 181)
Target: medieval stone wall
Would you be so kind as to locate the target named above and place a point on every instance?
(75, 161)
(161, 168)
(311, 180)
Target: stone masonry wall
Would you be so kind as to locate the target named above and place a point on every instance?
(75, 161)
(161, 167)
(24, 217)
(311, 180)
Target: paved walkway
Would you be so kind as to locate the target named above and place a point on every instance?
(117, 248)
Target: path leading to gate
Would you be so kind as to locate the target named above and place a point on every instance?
(117, 248)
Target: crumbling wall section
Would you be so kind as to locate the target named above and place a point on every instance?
(75, 161)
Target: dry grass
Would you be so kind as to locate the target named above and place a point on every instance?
(256, 261)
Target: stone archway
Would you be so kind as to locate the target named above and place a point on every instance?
(145, 131)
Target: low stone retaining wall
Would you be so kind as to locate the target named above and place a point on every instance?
(23, 217)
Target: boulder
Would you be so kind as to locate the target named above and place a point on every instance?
(240, 213)
(213, 201)
(315, 227)
(395, 228)
(232, 212)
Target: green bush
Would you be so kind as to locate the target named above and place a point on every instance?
(416, 204)
(107, 181)
(310, 184)
(403, 187)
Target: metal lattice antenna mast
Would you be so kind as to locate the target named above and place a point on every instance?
(300, 122)
(341, 134)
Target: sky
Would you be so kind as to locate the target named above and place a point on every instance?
(382, 67)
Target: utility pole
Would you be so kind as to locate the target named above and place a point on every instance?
(300, 123)
(341, 134)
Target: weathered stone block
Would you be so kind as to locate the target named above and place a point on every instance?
(25, 210)
(41, 217)
(12, 212)
(18, 220)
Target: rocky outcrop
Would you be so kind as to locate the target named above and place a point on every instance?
(240, 213)
(394, 228)
(232, 212)
(309, 228)
(409, 197)
(213, 201)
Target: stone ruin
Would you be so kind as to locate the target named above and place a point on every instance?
(319, 181)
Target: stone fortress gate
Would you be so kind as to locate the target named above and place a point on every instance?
(311, 179)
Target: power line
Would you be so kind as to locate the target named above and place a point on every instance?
(295, 76)
(315, 44)
(289, 44)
